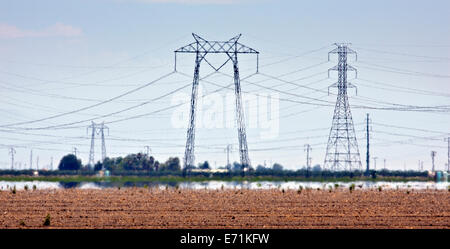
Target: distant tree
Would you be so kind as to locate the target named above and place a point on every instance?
(204, 165)
(151, 161)
(172, 164)
(98, 166)
(69, 162)
(316, 168)
(237, 166)
(156, 165)
(277, 167)
(260, 168)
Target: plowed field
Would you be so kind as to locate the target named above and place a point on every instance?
(172, 208)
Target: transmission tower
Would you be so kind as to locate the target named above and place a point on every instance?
(102, 132)
(342, 149)
(147, 149)
(201, 48)
(375, 163)
(97, 129)
(308, 158)
(12, 152)
(433, 154)
(91, 151)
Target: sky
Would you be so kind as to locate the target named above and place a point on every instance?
(57, 57)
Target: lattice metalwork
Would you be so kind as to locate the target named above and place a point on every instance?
(231, 48)
(342, 149)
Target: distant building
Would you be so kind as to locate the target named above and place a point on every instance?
(210, 170)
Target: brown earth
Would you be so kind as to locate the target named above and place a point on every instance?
(172, 208)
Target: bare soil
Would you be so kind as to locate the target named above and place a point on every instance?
(173, 208)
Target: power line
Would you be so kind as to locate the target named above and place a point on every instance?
(91, 106)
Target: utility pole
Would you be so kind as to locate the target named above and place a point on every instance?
(342, 149)
(201, 48)
(433, 154)
(384, 163)
(75, 150)
(37, 163)
(308, 158)
(228, 150)
(448, 154)
(375, 163)
(147, 149)
(51, 163)
(12, 152)
(367, 144)
(31, 159)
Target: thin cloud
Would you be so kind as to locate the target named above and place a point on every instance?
(57, 30)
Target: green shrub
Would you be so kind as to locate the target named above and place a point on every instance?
(300, 188)
(336, 185)
(47, 220)
(352, 187)
(13, 190)
(22, 223)
(34, 187)
(25, 187)
(380, 188)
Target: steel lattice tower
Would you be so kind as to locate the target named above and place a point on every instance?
(99, 130)
(201, 48)
(342, 149)
(91, 152)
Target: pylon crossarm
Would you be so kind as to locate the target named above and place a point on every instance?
(350, 85)
(216, 47)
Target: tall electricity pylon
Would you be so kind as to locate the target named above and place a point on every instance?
(342, 149)
(97, 129)
(201, 48)
(102, 132)
(91, 152)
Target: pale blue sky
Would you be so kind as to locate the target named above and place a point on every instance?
(98, 49)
